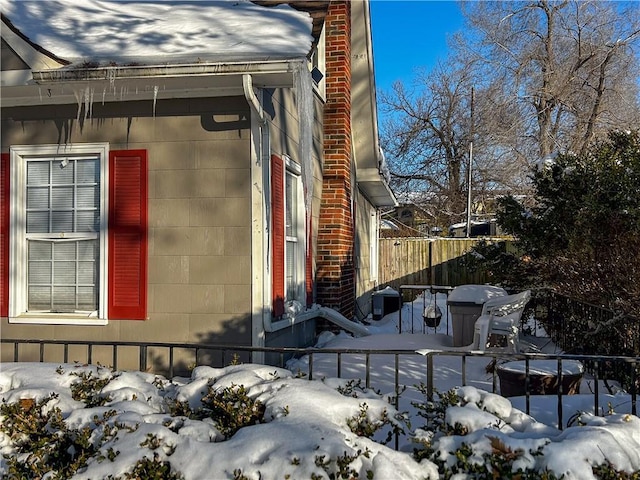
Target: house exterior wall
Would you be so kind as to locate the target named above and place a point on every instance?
(199, 262)
(281, 108)
(202, 205)
(365, 279)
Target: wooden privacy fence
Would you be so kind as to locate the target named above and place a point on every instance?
(429, 261)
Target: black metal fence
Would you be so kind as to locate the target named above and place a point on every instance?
(409, 368)
(573, 326)
(582, 328)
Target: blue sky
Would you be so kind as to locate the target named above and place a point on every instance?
(409, 34)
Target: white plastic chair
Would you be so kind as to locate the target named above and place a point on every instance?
(500, 316)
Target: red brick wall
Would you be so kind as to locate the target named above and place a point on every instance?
(335, 264)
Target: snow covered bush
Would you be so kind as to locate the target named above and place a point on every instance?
(42, 443)
(240, 422)
(282, 428)
(476, 433)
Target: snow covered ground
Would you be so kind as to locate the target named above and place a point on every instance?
(448, 363)
(315, 428)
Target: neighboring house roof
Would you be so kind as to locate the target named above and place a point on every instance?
(388, 224)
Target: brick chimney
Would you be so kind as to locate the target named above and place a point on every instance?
(335, 264)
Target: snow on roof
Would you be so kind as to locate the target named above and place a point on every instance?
(388, 224)
(172, 31)
(473, 222)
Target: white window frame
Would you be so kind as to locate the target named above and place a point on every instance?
(294, 171)
(18, 242)
(374, 225)
(318, 60)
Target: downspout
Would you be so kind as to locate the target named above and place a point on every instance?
(264, 162)
(317, 311)
(314, 311)
(261, 203)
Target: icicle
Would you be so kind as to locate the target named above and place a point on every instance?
(79, 102)
(86, 102)
(91, 103)
(104, 92)
(111, 76)
(155, 99)
(305, 101)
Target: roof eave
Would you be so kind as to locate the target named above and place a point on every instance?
(368, 157)
(28, 51)
(110, 73)
(59, 86)
(375, 188)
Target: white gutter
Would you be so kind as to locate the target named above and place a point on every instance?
(63, 85)
(250, 95)
(371, 167)
(178, 70)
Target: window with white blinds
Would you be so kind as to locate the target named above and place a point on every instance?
(373, 245)
(291, 245)
(294, 234)
(58, 236)
(62, 233)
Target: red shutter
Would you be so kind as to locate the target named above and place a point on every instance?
(128, 235)
(4, 235)
(309, 265)
(277, 213)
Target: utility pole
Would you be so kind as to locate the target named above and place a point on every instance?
(469, 169)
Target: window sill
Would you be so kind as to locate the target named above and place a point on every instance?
(289, 320)
(58, 320)
(284, 322)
